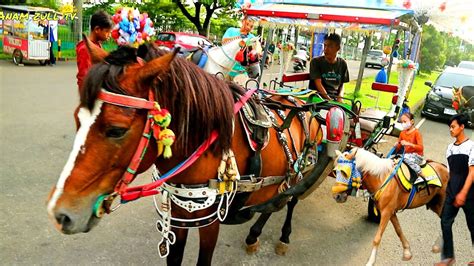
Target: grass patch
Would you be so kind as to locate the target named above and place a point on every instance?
(368, 97)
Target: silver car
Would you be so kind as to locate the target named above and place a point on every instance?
(374, 58)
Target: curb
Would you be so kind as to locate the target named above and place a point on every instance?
(416, 108)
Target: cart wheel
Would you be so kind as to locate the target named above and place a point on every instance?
(372, 216)
(17, 57)
(42, 62)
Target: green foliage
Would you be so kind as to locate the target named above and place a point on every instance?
(433, 49)
(203, 11)
(368, 97)
(165, 15)
(108, 7)
(53, 4)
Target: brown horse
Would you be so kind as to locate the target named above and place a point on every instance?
(200, 106)
(377, 175)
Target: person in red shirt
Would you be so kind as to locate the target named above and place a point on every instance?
(410, 138)
(101, 26)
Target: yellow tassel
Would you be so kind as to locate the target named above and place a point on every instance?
(376, 212)
(160, 149)
(167, 154)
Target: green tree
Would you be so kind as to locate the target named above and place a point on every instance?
(200, 15)
(165, 16)
(433, 49)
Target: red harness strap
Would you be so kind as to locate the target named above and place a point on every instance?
(133, 193)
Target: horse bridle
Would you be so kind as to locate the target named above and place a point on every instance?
(354, 180)
(104, 202)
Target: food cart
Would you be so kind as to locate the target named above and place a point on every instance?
(26, 32)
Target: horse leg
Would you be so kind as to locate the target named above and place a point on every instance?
(385, 217)
(255, 231)
(207, 242)
(406, 246)
(282, 246)
(175, 257)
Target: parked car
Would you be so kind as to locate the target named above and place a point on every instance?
(466, 64)
(374, 58)
(439, 100)
(182, 39)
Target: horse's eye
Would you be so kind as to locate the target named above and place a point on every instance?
(115, 132)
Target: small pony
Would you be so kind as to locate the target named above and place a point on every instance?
(360, 167)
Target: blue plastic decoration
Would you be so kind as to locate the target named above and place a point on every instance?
(395, 54)
(381, 76)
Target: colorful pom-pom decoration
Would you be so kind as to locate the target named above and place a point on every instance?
(381, 76)
(162, 117)
(131, 27)
(167, 138)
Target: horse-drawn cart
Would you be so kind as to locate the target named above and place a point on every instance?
(366, 17)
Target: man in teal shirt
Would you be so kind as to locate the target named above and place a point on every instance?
(234, 33)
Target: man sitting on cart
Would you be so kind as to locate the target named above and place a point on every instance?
(328, 73)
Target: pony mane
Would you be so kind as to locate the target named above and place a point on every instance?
(370, 163)
(199, 103)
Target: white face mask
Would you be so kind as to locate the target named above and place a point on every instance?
(406, 125)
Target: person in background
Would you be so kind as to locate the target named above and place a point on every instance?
(100, 28)
(328, 73)
(242, 32)
(460, 191)
(52, 39)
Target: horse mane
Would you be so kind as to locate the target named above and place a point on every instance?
(199, 103)
(368, 162)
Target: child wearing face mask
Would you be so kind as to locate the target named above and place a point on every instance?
(411, 139)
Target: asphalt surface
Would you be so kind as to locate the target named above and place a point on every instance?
(36, 135)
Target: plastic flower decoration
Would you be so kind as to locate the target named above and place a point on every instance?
(131, 27)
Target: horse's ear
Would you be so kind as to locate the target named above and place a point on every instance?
(352, 154)
(156, 66)
(338, 153)
(96, 53)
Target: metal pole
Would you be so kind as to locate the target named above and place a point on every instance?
(389, 69)
(265, 53)
(367, 43)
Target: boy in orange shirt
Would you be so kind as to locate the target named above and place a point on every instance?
(410, 138)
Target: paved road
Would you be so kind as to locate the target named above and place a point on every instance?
(36, 134)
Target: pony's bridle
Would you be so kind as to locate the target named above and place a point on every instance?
(152, 128)
(353, 178)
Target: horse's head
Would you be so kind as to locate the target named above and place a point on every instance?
(347, 175)
(122, 128)
(107, 135)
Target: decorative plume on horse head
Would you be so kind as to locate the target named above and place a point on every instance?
(209, 175)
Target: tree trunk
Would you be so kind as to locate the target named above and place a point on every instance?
(78, 24)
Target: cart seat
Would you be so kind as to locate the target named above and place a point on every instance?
(369, 125)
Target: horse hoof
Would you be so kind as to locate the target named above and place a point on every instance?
(436, 249)
(253, 248)
(406, 255)
(281, 248)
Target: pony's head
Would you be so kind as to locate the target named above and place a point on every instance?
(347, 175)
(109, 133)
(352, 167)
